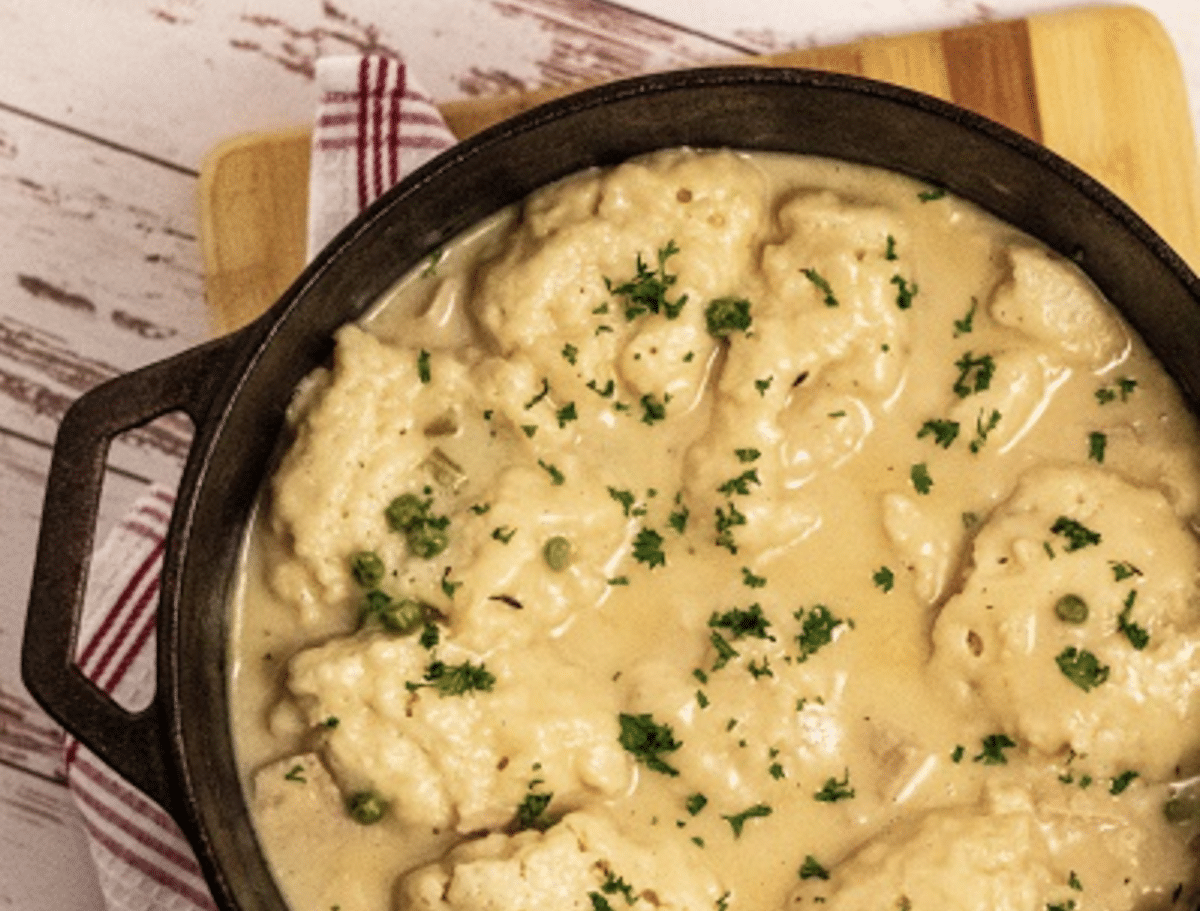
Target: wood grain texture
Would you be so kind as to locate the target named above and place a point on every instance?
(990, 71)
(1112, 99)
(1030, 75)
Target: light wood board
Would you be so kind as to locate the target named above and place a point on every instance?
(1101, 86)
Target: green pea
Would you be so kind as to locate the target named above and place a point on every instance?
(366, 807)
(557, 553)
(403, 617)
(425, 540)
(367, 568)
(406, 511)
(1183, 807)
(373, 606)
(1071, 609)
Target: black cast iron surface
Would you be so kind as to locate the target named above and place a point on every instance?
(236, 390)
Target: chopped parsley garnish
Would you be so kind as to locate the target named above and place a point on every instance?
(503, 534)
(529, 430)
(1123, 570)
(1081, 667)
(822, 285)
(763, 385)
(1122, 389)
(741, 623)
(1074, 883)
(993, 747)
(646, 740)
(647, 548)
(455, 679)
(606, 392)
(539, 395)
(695, 803)
(904, 292)
(726, 521)
(423, 373)
(556, 477)
(741, 484)
(1137, 636)
(646, 292)
(834, 790)
(1122, 781)
(974, 374)
(619, 580)
(760, 670)
(884, 578)
(678, 519)
(449, 586)
(615, 885)
(424, 532)
(570, 353)
(957, 754)
(747, 455)
(889, 251)
(812, 869)
(1077, 534)
(983, 428)
(967, 323)
(931, 195)
(652, 409)
(943, 432)
(296, 773)
(366, 568)
(480, 508)
(816, 629)
(921, 481)
(429, 636)
(331, 722)
(566, 414)
(531, 813)
(738, 820)
(624, 497)
(727, 315)
(725, 651)
(1097, 442)
(432, 263)
(750, 580)
(1068, 905)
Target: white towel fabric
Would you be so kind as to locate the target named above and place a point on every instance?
(373, 126)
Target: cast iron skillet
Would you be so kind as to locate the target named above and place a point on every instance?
(235, 389)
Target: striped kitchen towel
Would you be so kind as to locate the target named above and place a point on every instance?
(373, 126)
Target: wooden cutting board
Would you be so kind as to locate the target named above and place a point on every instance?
(1101, 86)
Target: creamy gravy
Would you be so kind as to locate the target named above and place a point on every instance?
(817, 637)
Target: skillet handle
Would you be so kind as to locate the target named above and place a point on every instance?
(134, 744)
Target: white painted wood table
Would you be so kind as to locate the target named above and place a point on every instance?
(107, 109)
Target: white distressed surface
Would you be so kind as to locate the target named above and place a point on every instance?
(107, 108)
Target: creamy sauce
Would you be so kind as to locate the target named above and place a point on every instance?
(819, 553)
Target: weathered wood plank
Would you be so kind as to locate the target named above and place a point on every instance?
(99, 273)
(255, 65)
(48, 866)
